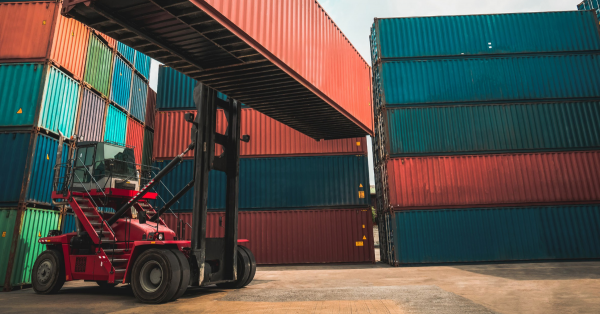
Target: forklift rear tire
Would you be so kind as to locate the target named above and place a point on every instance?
(105, 284)
(48, 274)
(156, 276)
(184, 264)
(243, 271)
(252, 264)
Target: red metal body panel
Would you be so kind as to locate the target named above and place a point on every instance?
(486, 180)
(293, 35)
(135, 138)
(296, 236)
(36, 32)
(150, 108)
(268, 137)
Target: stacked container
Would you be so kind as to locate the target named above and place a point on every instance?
(593, 5)
(486, 143)
(290, 185)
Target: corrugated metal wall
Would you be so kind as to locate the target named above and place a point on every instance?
(497, 234)
(115, 126)
(175, 90)
(120, 91)
(279, 183)
(590, 5)
(70, 45)
(147, 147)
(139, 94)
(59, 102)
(127, 52)
(98, 67)
(8, 218)
(91, 116)
(20, 93)
(18, 146)
(297, 236)
(41, 177)
(135, 138)
(150, 109)
(142, 64)
(68, 223)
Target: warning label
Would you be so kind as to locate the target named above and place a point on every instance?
(359, 243)
(361, 194)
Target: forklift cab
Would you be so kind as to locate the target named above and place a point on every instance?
(101, 165)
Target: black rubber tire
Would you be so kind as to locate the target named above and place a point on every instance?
(169, 276)
(184, 264)
(48, 273)
(243, 271)
(105, 284)
(252, 264)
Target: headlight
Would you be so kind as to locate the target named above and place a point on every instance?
(161, 236)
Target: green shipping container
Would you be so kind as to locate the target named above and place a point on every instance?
(8, 217)
(34, 94)
(35, 224)
(98, 67)
(147, 148)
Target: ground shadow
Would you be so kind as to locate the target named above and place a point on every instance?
(538, 271)
(322, 266)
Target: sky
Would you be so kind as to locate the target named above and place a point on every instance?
(355, 17)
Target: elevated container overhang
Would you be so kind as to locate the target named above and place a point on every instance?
(197, 40)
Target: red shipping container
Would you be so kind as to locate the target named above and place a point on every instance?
(296, 236)
(150, 108)
(268, 137)
(36, 32)
(492, 180)
(135, 138)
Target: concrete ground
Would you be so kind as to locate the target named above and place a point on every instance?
(568, 287)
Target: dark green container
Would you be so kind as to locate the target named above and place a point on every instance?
(98, 66)
(8, 217)
(147, 148)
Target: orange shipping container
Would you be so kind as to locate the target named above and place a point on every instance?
(268, 137)
(135, 138)
(36, 32)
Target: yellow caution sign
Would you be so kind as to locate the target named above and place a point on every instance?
(363, 226)
(39, 234)
(359, 243)
(364, 237)
(4, 234)
(47, 157)
(357, 143)
(360, 186)
(361, 194)
(20, 111)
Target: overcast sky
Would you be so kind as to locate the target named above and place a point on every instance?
(355, 17)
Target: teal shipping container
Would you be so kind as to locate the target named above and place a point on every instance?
(127, 52)
(590, 5)
(481, 35)
(494, 235)
(30, 167)
(120, 90)
(281, 183)
(8, 218)
(477, 80)
(175, 90)
(35, 224)
(68, 223)
(142, 64)
(139, 95)
(37, 95)
(116, 126)
(442, 130)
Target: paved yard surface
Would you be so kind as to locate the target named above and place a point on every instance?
(570, 287)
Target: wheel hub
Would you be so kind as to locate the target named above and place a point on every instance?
(151, 276)
(44, 271)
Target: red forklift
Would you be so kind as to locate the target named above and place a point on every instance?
(133, 245)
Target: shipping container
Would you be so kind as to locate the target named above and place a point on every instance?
(590, 5)
(142, 64)
(280, 183)
(296, 80)
(92, 110)
(111, 42)
(98, 66)
(127, 52)
(150, 108)
(37, 32)
(8, 218)
(68, 223)
(35, 224)
(120, 92)
(478, 80)
(34, 94)
(488, 180)
(174, 90)
(115, 130)
(139, 94)
(29, 166)
(496, 234)
(267, 137)
(295, 236)
(442, 130)
(147, 147)
(135, 138)
(480, 35)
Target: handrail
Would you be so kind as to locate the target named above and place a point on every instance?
(91, 176)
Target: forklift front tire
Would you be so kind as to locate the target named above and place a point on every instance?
(244, 268)
(48, 274)
(156, 276)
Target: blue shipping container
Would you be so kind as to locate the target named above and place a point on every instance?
(518, 78)
(139, 95)
(470, 35)
(127, 52)
(121, 83)
(175, 90)
(115, 130)
(69, 223)
(280, 183)
(493, 128)
(39, 178)
(496, 234)
(142, 64)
